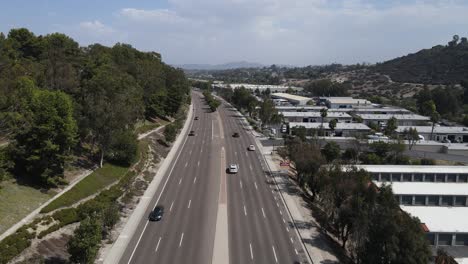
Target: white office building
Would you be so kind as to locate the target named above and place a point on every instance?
(402, 119)
(441, 133)
(314, 117)
(341, 130)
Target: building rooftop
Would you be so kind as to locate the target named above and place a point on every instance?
(437, 129)
(414, 169)
(291, 97)
(427, 188)
(258, 86)
(315, 114)
(297, 108)
(439, 218)
(339, 126)
(347, 100)
(397, 116)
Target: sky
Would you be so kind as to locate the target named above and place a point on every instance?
(287, 32)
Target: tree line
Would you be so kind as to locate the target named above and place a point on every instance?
(366, 219)
(60, 99)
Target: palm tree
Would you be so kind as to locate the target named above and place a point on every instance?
(323, 114)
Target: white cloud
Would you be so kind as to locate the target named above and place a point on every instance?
(287, 31)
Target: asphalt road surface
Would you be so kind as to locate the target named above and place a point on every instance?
(258, 229)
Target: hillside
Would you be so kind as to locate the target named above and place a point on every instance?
(438, 65)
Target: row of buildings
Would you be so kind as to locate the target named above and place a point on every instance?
(437, 195)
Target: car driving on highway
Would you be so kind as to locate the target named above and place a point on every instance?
(233, 168)
(192, 133)
(251, 148)
(156, 214)
(236, 135)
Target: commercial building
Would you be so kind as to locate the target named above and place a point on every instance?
(402, 119)
(441, 133)
(260, 87)
(293, 99)
(314, 117)
(344, 102)
(437, 195)
(341, 130)
(307, 108)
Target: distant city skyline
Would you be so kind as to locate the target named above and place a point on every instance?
(298, 32)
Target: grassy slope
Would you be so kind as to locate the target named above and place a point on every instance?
(90, 185)
(17, 201)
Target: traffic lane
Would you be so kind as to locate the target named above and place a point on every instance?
(270, 240)
(180, 236)
(286, 248)
(147, 241)
(200, 232)
(259, 247)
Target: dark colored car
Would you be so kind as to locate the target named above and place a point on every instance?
(192, 133)
(236, 135)
(196, 118)
(156, 214)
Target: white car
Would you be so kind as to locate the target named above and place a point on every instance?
(233, 168)
(251, 148)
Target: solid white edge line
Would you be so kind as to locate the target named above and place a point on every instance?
(240, 182)
(157, 246)
(160, 194)
(251, 251)
(297, 253)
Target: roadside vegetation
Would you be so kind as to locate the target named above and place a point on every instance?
(365, 219)
(61, 102)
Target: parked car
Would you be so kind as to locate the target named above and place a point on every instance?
(192, 133)
(196, 118)
(236, 135)
(251, 148)
(233, 168)
(156, 214)
(446, 140)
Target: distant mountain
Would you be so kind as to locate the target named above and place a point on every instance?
(226, 66)
(438, 65)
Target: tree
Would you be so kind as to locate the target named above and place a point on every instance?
(290, 90)
(267, 111)
(392, 125)
(443, 257)
(332, 125)
(412, 136)
(123, 148)
(331, 151)
(45, 136)
(323, 114)
(170, 132)
(84, 245)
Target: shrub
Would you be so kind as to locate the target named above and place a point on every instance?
(426, 161)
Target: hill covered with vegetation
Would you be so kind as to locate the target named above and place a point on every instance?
(438, 65)
(58, 99)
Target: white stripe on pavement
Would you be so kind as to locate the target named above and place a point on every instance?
(190, 201)
(181, 238)
(274, 253)
(157, 246)
(170, 209)
(263, 212)
(251, 251)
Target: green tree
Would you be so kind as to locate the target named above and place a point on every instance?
(267, 111)
(332, 125)
(412, 136)
(170, 132)
(45, 136)
(331, 151)
(392, 125)
(323, 114)
(84, 245)
(123, 148)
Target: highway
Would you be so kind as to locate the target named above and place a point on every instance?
(196, 186)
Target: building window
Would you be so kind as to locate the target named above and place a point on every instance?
(440, 178)
(407, 199)
(433, 200)
(418, 177)
(460, 200)
(462, 177)
(396, 177)
(429, 177)
(407, 177)
(461, 239)
(385, 177)
(445, 239)
(431, 238)
(447, 200)
(420, 200)
(375, 176)
(451, 177)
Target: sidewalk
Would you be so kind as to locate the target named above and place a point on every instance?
(318, 246)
